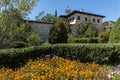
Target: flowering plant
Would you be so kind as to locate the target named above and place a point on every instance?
(114, 73)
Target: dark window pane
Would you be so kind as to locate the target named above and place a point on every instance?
(85, 18)
(94, 20)
(78, 17)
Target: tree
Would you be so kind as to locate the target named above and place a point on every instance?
(24, 6)
(38, 17)
(59, 32)
(92, 30)
(108, 23)
(114, 35)
(49, 18)
(80, 30)
(12, 25)
(86, 30)
(55, 13)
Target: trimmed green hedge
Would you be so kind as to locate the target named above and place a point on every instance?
(15, 58)
(98, 53)
(86, 40)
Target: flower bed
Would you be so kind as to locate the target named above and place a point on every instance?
(56, 68)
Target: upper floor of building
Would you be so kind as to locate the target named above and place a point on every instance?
(75, 17)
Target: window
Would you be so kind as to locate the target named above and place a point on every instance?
(98, 20)
(85, 18)
(78, 17)
(72, 18)
(94, 20)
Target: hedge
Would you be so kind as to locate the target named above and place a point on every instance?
(86, 40)
(98, 53)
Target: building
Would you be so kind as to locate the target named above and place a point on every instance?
(42, 28)
(74, 17)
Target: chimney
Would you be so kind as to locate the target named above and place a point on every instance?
(81, 10)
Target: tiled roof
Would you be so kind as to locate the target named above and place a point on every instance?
(76, 11)
(34, 21)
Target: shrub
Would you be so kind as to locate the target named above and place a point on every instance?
(114, 36)
(98, 53)
(70, 39)
(14, 58)
(86, 40)
(104, 36)
(59, 32)
(20, 44)
(86, 30)
(33, 39)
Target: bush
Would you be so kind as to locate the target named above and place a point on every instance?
(15, 58)
(70, 39)
(115, 33)
(98, 53)
(20, 44)
(86, 40)
(59, 32)
(86, 30)
(33, 39)
(104, 36)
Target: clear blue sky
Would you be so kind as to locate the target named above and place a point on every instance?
(108, 8)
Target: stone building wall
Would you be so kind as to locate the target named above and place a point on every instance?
(42, 28)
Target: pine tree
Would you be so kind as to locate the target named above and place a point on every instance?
(55, 13)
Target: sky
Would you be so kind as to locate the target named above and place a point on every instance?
(108, 8)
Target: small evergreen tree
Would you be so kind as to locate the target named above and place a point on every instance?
(55, 13)
(59, 32)
(115, 33)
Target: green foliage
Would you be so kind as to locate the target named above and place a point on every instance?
(59, 32)
(114, 36)
(80, 29)
(24, 6)
(70, 39)
(86, 30)
(10, 28)
(92, 31)
(47, 17)
(108, 23)
(104, 36)
(13, 29)
(38, 17)
(33, 39)
(86, 40)
(55, 13)
(98, 53)
(20, 44)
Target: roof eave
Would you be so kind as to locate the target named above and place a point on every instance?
(75, 11)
